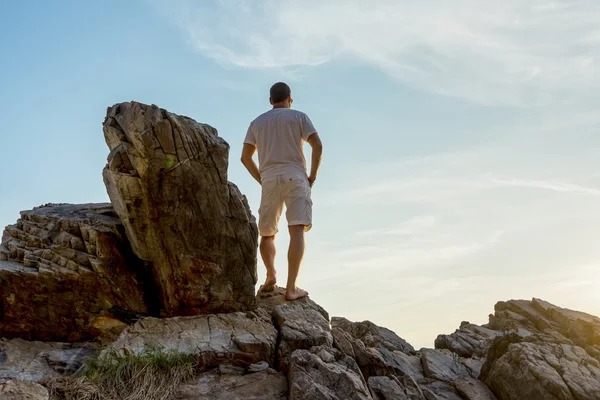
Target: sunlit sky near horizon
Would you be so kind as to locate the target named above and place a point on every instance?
(462, 141)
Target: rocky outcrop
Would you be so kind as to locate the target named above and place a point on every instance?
(533, 350)
(67, 273)
(527, 367)
(167, 180)
(324, 373)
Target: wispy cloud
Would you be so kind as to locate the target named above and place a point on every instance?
(516, 52)
(546, 185)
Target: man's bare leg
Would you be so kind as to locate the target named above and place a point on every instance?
(268, 251)
(295, 255)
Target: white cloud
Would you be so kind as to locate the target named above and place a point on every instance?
(515, 52)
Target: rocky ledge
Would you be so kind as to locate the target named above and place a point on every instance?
(530, 350)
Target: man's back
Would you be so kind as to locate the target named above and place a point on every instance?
(278, 136)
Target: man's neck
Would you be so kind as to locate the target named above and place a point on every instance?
(281, 105)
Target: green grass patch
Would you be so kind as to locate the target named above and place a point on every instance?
(155, 374)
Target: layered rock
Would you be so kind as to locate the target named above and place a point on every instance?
(167, 180)
(67, 272)
(238, 339)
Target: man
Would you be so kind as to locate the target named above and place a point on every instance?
(278, 135)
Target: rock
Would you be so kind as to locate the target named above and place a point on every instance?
(300, 327)
(213, 385)
(372, 335)
(22, 390)
(68, 271)
(36, 361)
(442, 365)
(238, 338)
(519, 368)
(324, 373)
(258, 367)
(473, 389)
(437, 390)
(167, 180)
(394, 388)
(468, 341)
(270, 300)
(385, 356)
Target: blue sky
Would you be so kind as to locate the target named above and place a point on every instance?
(461, 142)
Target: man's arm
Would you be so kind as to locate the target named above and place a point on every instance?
(317, 152)
(247, 154)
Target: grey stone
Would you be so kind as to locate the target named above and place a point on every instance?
(324, 373)
(36, 361)
(395, 388)
(443, 365)
(372, 335)
(239, 339)
(473, 389)
(23, 390)
(468, 341)
(267, 384)
(537, 370)
(299, 328)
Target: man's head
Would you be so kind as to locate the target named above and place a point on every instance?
(281, 95)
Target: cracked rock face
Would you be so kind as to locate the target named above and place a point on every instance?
(529, 368)
(36, 361)
(324, 373)
(167, 180)
(238, 339)
(67, 273)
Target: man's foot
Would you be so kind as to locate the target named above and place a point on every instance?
(269, 286)
(295, 294)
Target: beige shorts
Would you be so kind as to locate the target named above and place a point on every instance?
(291, 190)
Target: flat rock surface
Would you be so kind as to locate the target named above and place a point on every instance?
(167, 180)
(235, 338)
(213, 385)
(35, 361)
(68, 274)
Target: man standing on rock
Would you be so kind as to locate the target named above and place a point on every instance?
(278, 135)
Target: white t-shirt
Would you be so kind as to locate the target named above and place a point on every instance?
(279, 135)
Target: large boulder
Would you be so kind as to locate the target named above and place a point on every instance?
(531, 368)
(167, 179)
(67, 273)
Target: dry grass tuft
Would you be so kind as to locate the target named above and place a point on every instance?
(155, 374)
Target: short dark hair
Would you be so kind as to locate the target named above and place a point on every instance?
(279, 92)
